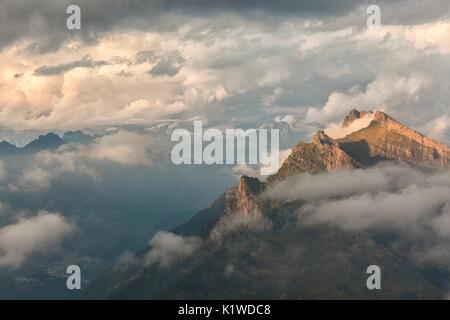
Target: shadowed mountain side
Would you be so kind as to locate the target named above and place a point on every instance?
(308, 263)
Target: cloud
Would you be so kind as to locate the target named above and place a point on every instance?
(85, 62)
(402, 209)
(235, 222)
(120, 148)
(336, 131)
(3, 171)
(205, 64)
(385, 195)
(438, 128)
(168, 65)
(386, 91)
(265, 164)
(38, 234)
(46, 166)
(123, 147)
(166, 248)
(312, 187)
(45, 22)
(396, 199)
(441, 224)
(388, 196)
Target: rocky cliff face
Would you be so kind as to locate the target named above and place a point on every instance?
(245, 201)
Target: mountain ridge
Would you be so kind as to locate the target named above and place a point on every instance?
(387, 139)
(261, 258)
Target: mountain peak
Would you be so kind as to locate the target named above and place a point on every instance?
(322, 138)
(354, 115)
(246, 201)
(387, 139)
(322, 154)
(47, 141)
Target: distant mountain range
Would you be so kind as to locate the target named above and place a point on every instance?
(49, 141)
(290, 259)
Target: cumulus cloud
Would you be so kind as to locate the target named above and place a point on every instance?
(207, 70)
(29, 236)
(166, 248)
(385, 91)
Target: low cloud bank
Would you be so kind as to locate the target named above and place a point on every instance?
(38, 234)
(122, 148)
(167, 247)
(384, 177)
(412, 202)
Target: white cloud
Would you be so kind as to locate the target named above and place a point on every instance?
(387, 91)
(402, 210)
(38, 234)
(387, 196)
(336, 131)
(166, 248)
(121, 147)
(438, 128)
(395, 198)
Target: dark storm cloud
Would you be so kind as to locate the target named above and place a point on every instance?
(44, 21)
(85, 62)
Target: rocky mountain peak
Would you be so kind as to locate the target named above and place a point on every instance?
(354, 115)
(245, 200)
(388, 139)
(321, 138)
(322, 154)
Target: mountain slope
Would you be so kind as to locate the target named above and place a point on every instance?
(259, 248)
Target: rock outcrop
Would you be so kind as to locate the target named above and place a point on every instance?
(245, 201)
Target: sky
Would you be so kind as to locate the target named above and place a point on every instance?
(228, 63)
